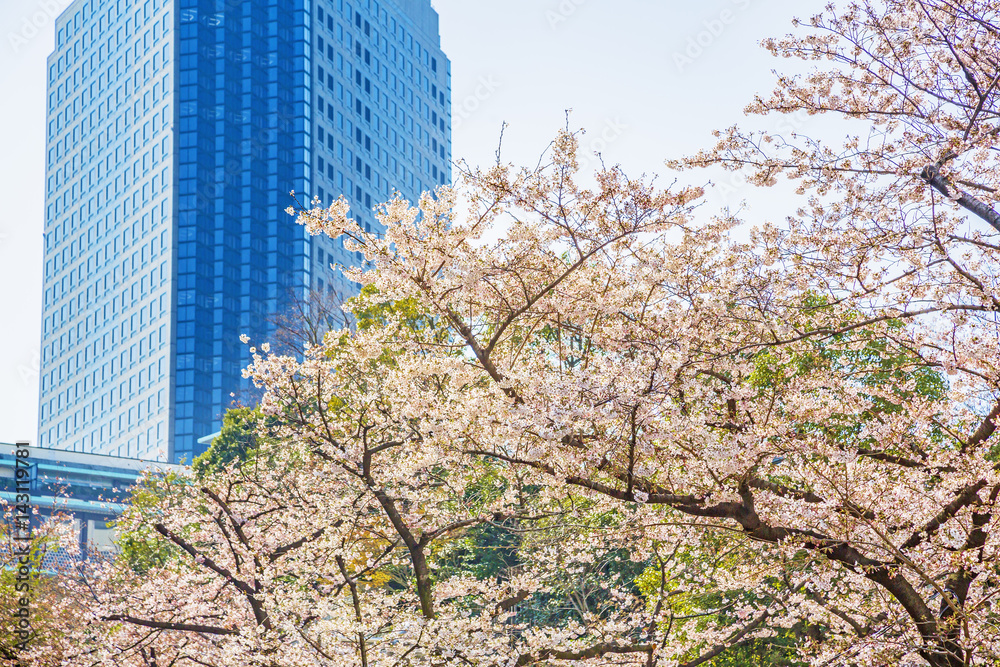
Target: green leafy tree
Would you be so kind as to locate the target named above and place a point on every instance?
(236, 443)
(141, 547)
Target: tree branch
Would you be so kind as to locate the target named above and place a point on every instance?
(168, 625)
(931, 175)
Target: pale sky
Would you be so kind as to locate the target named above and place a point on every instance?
(647, 79)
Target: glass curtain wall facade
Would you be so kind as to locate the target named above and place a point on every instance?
(244, 141)
(177, 129)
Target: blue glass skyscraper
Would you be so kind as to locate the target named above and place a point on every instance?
(176, 130)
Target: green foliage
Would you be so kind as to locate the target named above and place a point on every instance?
(894, 375)
(487, 551)
(583, 589)
(870, 359)
(693, 608)
(776, 651)
(236, 443)
(142, 548)
(370, 312)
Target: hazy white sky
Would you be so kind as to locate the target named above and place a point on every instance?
(647, 79)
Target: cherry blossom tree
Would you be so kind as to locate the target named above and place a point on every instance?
(900, 221)
(30, 546)
(385, 446)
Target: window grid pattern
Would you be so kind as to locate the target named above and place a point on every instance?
(105, 348)
(381, 114)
